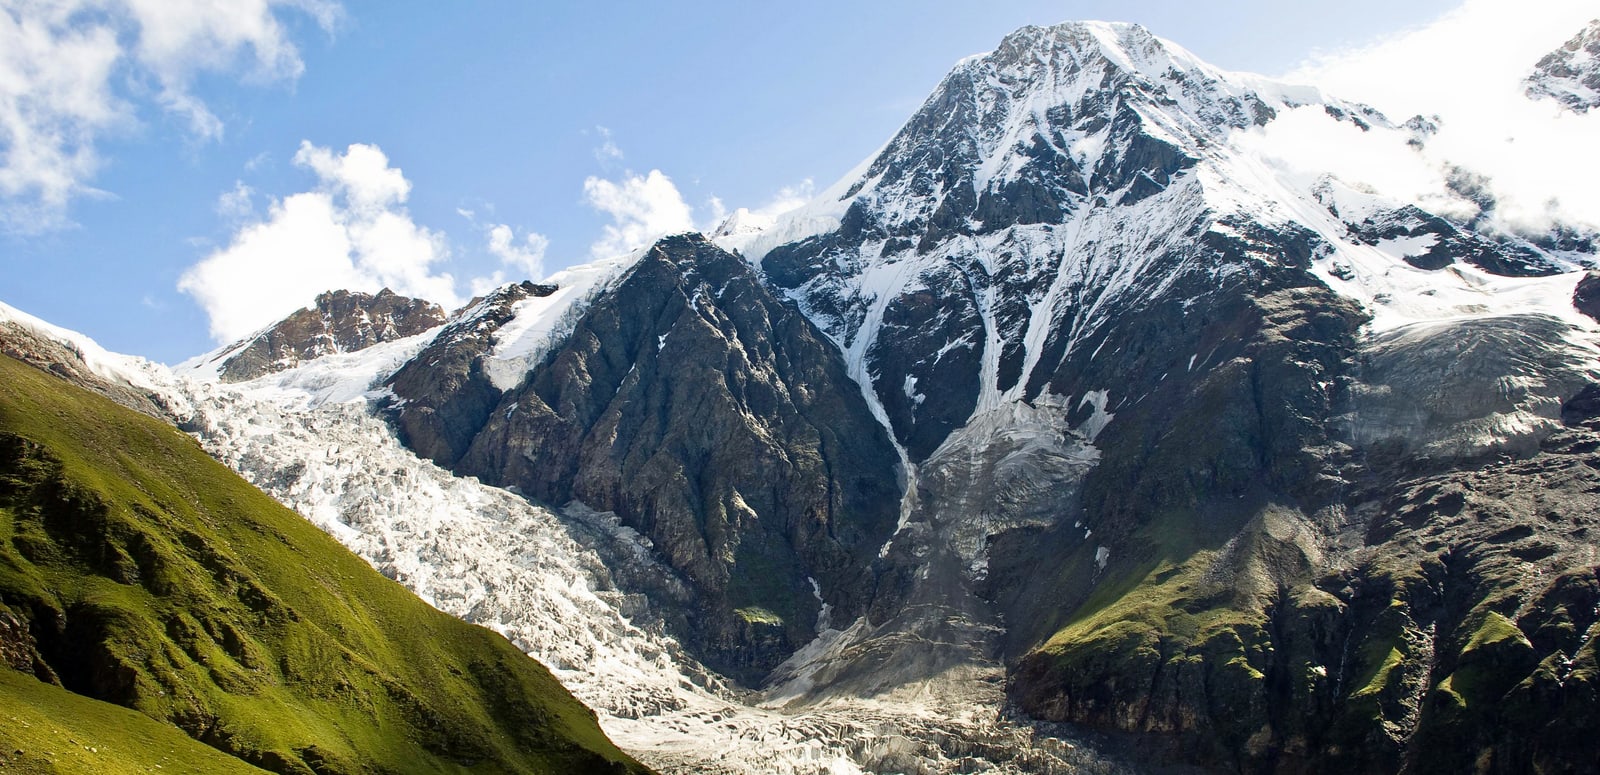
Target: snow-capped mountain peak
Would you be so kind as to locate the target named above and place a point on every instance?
(1571, 74)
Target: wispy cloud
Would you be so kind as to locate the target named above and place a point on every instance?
(72, 71)
(788, 198)
(642, 208)
(526, 257)
(518, 261)
(607, 152)
(351, 231)
(237, 204)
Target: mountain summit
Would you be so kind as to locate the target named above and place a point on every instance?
(338, 322)
(1571, 74)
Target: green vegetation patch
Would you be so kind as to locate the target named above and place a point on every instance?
(152, 577)
(45, 728)
(757, 615)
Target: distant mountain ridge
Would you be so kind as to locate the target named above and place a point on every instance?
(338, 322)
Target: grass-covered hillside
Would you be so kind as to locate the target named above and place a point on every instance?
(135, 570)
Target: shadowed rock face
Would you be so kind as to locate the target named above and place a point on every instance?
(1403, 629)
(1586, 296)
(340, 321)
(1330, 581)
(710, 416)
(445, 393)
(1451, 243)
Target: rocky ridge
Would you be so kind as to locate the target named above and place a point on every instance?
(711, 417)
(1571, 74)
(338, 322)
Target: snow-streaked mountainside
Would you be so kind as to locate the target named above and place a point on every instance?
(1070, 166)
(1059, 234)
(1571, 74)
(1190, 440)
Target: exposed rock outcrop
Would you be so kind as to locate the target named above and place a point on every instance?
(445, 392)
(1571, 74)
(707, 413)
(339, 321)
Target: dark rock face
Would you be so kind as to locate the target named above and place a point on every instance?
(1311, 574)
(445, 395)
(340, 321)
(710, 416)
(935, 398)
(1571, 74)
(1586, 296)
(1452, 243)
(1432, 650)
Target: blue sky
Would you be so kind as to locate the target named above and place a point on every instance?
(545, 122)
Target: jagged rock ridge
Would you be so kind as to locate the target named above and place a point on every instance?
(338, 322)
(705, 412)
(1571, 74)
(446, 390)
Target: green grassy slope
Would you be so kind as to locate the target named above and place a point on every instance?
(148, 575)
(47, 729)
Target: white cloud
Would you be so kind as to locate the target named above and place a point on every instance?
(527, 258)
(642, 208)
(1467, 68)
(719, 211)
(788, 198)
(352, 231)
(607, 151)
(525, 261)
(741, 225)
(1308, 143)
(72, 71)
(238, 204)
(361, 174)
